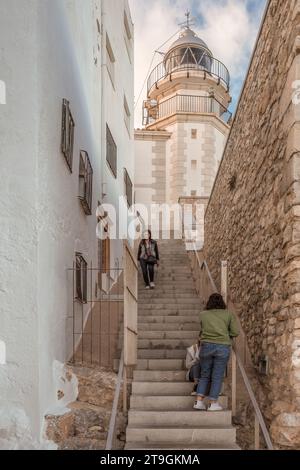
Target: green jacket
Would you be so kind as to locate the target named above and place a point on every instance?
(218, 326)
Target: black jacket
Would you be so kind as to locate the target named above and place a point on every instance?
(153, 248)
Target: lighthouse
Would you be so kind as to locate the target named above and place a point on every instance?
(186, 123)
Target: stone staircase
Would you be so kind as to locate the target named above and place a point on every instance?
(161, 414)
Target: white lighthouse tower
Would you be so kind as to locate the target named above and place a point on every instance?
(186, 123)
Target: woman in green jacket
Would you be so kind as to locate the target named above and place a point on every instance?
(218, 328)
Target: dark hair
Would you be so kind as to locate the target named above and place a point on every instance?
(150, 235)
(216, 302)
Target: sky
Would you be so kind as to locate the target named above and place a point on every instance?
(229, 28)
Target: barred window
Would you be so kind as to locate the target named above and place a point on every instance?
(85, 182)
(81, 278)
(67, 134)
(128, 187)
(111, 152)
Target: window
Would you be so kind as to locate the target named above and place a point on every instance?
(85, 182)
(194, 133)
(127, 115)
(194, 164)
(111, 152)
(81, 278)
(110, 60)
(67, 133)
(128, 36)
(128, 187)
(194, 193)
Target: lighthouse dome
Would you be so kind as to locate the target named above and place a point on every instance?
(188, 50)
(188, 38)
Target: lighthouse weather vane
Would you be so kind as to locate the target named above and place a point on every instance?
(189, 20)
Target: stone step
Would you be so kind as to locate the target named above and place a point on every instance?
(174, 277)
(179, 447)
(171, 262)
(168, 344)
(165, 327)
(169, 315)
(166, 335)
(168, 291)
(163, 299)
(169, 307)
(181, 263)
(168, 403)
(171, 294)
(161, 353)
(162, 388)
(168, 269)
(159, 375)
(170, 283)
(160, 364)
(182, 435)
(169, 318)
(193, 418)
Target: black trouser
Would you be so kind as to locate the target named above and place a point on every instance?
(148, 271)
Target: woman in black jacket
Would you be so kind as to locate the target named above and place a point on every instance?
(148, 257)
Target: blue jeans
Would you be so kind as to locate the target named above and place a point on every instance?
(213, 359)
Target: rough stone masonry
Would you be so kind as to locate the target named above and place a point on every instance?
(253, 216)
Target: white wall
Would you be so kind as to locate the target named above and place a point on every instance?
(143, 178)
(113, 107)
(50, 50)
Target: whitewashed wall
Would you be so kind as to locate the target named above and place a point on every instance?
(113, 107)
(50, 50)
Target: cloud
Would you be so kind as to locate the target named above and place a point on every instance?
(229, 27)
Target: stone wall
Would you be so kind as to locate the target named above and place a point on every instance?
(253, 217)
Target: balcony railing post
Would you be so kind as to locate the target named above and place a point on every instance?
(214, 68)
(187, 104)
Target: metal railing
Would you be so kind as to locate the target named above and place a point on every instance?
(185, 104)
(128, 357)
(95, 336)
(208, 285)
(104, 323)
(173, 66)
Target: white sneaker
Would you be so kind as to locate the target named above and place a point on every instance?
(147, 287)
(215, 407)
(199, 405)
(152, 285)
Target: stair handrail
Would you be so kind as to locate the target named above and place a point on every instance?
(113, 416)
(259, 420)
(128, 357)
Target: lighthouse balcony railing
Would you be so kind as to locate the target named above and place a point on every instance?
(170, 68)
(185, 104)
